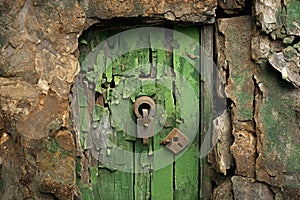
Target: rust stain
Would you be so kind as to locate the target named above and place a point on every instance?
(4, 137)
(40, 122)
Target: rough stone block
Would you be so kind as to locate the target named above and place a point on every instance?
(222, 158)
(232, 6)
(234, 53)
(244, 153)
(224, 191)
(247, 188)
(292, 22)
(277, 130)
(288, 63)
(176, 10)
(66, 140)
(268, 14)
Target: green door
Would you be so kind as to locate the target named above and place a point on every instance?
(117, 67)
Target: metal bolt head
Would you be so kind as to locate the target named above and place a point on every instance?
(146, 125)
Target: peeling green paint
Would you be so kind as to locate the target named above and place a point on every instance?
(187, 167)
(162, 179)
(170, 80)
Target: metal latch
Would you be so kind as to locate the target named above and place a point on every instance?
(176, 141)
(144, 109)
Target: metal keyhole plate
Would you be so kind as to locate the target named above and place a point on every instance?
(146, 101)
(176, 141)
(144, 109)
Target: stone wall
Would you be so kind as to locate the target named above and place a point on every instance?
(257, 50)
(258, 56)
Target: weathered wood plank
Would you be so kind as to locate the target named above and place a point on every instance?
(205, 189)
(158, 48)
(103, 187)
(99, 176)
(122, 189)
(142, 162)
(187, 101)
(113, 184)
(142, 168)
(162, 176)
(162, 179)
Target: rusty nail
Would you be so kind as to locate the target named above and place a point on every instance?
(164, 142)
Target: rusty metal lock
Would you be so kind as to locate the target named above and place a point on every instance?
(144, 109)
(175, 141)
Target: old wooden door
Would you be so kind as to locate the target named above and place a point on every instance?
(116, 68)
